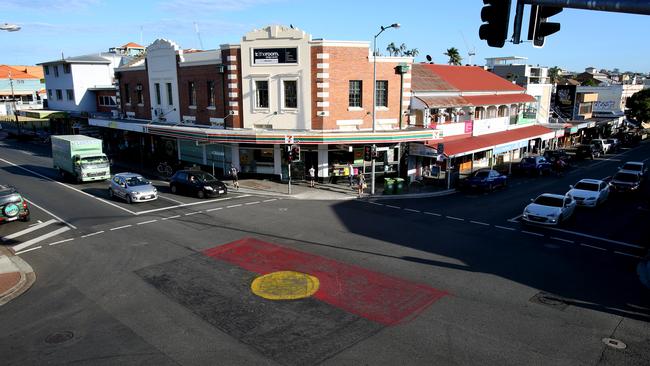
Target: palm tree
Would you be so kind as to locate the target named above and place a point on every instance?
(402, 49)
(454, 56)
(414, 52)
(554, 74)
(392, 49)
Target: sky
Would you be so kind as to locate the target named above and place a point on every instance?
(76, 27)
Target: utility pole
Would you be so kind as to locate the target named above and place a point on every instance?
(13, 103)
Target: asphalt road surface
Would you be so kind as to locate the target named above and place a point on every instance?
(446, 281)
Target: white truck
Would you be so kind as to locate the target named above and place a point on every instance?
(80, 157)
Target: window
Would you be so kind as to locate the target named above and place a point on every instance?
(290, 93)
(66, 68)
(106, 101)
(56, 70)
(170, 99)
(69, 93)
(210, 93)
(138, 93)
(478, 113)
(46, 69)
(191, 88)
(127, 94)
(382, 93)
(158, 93)
(585, 108)
(261, 93)
(355, 93)
(59, 94)
(49, 93)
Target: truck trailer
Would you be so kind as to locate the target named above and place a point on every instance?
(80, 157)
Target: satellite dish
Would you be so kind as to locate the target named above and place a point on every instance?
(429, 58)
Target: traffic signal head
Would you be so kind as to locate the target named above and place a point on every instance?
(295, 153)
(367, 153)
(538, 27)
(374, 152)
(495, 16)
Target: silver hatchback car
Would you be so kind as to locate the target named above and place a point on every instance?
(132, 188)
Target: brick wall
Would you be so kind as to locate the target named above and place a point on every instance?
(231, 58)
(200, 75)
(133, 78)
(104, 93)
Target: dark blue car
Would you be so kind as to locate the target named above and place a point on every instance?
(535, 165)
(486, 179)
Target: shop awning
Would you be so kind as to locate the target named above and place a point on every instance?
(480, 100)
(499, 140)
(444, 102)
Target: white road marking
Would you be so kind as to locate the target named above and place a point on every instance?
(146, 222)
(252, 203)
(51, 214)
(31, 242)
(270, 200)
(193, 213)
(479, 223)
(37, 222)
(28, 250)
(597, 238)
(564, 240)
(120, 227)
(504, 228)
(92, 234)
(391, 206)
(214, 209)
(411, 210)
(27, 231)
(61, 241)
(515, 219)
(432, 213)
(455, 218)
(231, 206)
(189, 204)
(170, 199)
(171, 217)
(629, 255)
(375, 203)
(69, 187)
(591, 246)
(531, 233)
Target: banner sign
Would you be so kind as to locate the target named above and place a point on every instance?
(272, 56)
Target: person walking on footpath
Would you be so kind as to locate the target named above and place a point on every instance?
(312, 176)
(361, 185)
(351, 174)
(233, 174)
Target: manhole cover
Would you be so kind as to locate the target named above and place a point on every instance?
(59, 337)
(551, 300)
(614, 343)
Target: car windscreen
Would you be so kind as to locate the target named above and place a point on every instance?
(549, 201)
(136, 181)
(481, 174)
(204, 177)
(586, 186)
(626, 177)
(529, 160)
(634, 167)
(4, 199)
(94, 162)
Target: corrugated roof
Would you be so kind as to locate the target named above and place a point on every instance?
(16, 73)
(444, 102)
(93, 58)
(422, 79)
(468, 78)
(479, 100)
(132, 45)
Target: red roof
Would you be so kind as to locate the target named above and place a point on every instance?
(478, 100)
(485, 142)
(468, 78)
(18, 72)
(132, 45)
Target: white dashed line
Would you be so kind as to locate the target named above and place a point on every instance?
(504, 228)
(564, 240)
(376, 204)
(591, 246)
(391, 206)
(531, 233)
(28, 250)
(270, 200)
(61, 241)
(596, 237)
(252, 203)
(629, 255)
(455, 218)
(411, 210)
(92, 234)
(479, 223)
(192, 213)
(120, 227)
(231, 206)
(171, 217)
(432, 213)
(146, 222)
(214, 209)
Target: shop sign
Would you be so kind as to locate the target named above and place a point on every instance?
(273, 56)
(421, 150)
(469, 125)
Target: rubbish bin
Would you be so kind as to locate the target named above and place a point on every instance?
(389, 185)
(399, 185)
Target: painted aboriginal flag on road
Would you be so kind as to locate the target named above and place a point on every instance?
(351, 303)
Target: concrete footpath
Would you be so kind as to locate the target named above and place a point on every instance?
(16, 276)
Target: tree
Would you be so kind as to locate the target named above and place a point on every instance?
(590, 82)
(402, 49)
(454, 56)
(639, 105)
(414, 52)
(392, 49)
(554, 74)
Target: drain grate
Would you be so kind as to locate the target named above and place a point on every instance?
(614, 343)
(59, 337)
(554, 301)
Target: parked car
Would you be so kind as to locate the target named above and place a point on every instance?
(614, 144)
(625, 182)
(589, 192)
(486, 179)
(602, 145)
(584, 151)
(132, 188)
(560, 154)
(13, 205)
(535, 164)
(196, 183)
(636, 167)
(549, 209)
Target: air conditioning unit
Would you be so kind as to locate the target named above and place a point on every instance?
(138, 87)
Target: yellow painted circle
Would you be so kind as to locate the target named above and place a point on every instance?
(285, 285)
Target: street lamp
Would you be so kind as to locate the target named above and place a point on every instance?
(10, 27)
(374, 94)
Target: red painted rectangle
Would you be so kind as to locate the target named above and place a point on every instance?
(375, 296)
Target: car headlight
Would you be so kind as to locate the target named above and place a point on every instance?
(208, 188)
(155, 190)
(135, 193)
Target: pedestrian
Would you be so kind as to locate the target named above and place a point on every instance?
(361, 185)
(351, 174)
(312, 177)
(233, 174)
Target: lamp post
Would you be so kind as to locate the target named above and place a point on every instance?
(374, 95)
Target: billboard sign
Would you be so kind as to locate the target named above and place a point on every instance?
(274, 56)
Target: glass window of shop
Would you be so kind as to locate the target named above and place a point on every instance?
(190, 152)
(219, 156)
(256, 159)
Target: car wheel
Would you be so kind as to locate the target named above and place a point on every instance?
(26, 219)
(129, 200)
(110, 193)
(490, 187)
(173, 188)
(200, 194)
(560, 219)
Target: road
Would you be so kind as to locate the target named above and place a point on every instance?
(444, 280)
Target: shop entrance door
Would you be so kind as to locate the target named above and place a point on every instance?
(310, 159)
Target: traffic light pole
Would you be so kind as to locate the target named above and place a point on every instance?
(619, 6)
(372, 184)
(289, 178)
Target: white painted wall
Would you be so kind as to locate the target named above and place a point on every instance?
(543, 91)
(161, 67)
(280, 37)
(490, 125)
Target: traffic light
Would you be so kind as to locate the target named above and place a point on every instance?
(538, 27)
(367, 153)
(496, 16)
(295, 153)
(287, 153)
(374, 152)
